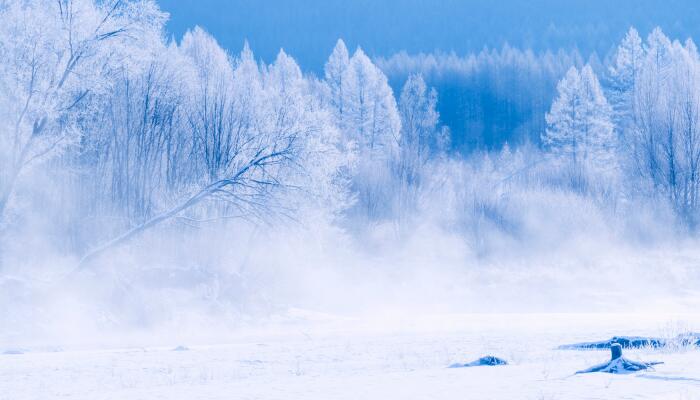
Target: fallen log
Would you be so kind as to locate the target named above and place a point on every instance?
(626, 342)
(637, 342)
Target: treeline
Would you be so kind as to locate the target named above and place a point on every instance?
(625, 127)
(640, 128)
(492, 97)
(109, 130)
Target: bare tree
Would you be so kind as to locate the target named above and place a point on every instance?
(666, 140)
(246, 189)
(56, 56)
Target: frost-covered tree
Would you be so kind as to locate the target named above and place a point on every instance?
(579, 127)
(420, 140)
(419, 119)
(127, 131)
(373, 120)
(335, 76)
(134, 151)
(59, 59)
(665, 145)
(599, 140)
(212, 115)
(624, 76)
(563, 119)
(295, 108)
(260, 143)
(367, 114)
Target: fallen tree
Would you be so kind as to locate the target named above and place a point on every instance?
(636, 342)
(254, 177)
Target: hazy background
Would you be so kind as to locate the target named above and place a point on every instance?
(308, 29)
(483, 111)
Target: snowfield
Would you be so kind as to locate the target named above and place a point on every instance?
(314, 356)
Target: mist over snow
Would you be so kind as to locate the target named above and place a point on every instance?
(333, 189)
(150, 183)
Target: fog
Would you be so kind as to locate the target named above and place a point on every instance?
(155, 190)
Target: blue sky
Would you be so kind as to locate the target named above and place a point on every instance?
(308, 28)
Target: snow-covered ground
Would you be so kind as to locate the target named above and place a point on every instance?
(315, 356)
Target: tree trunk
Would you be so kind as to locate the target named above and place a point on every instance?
(616, 351)
(201, 195)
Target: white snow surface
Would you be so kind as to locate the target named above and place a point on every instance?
(306, 355)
